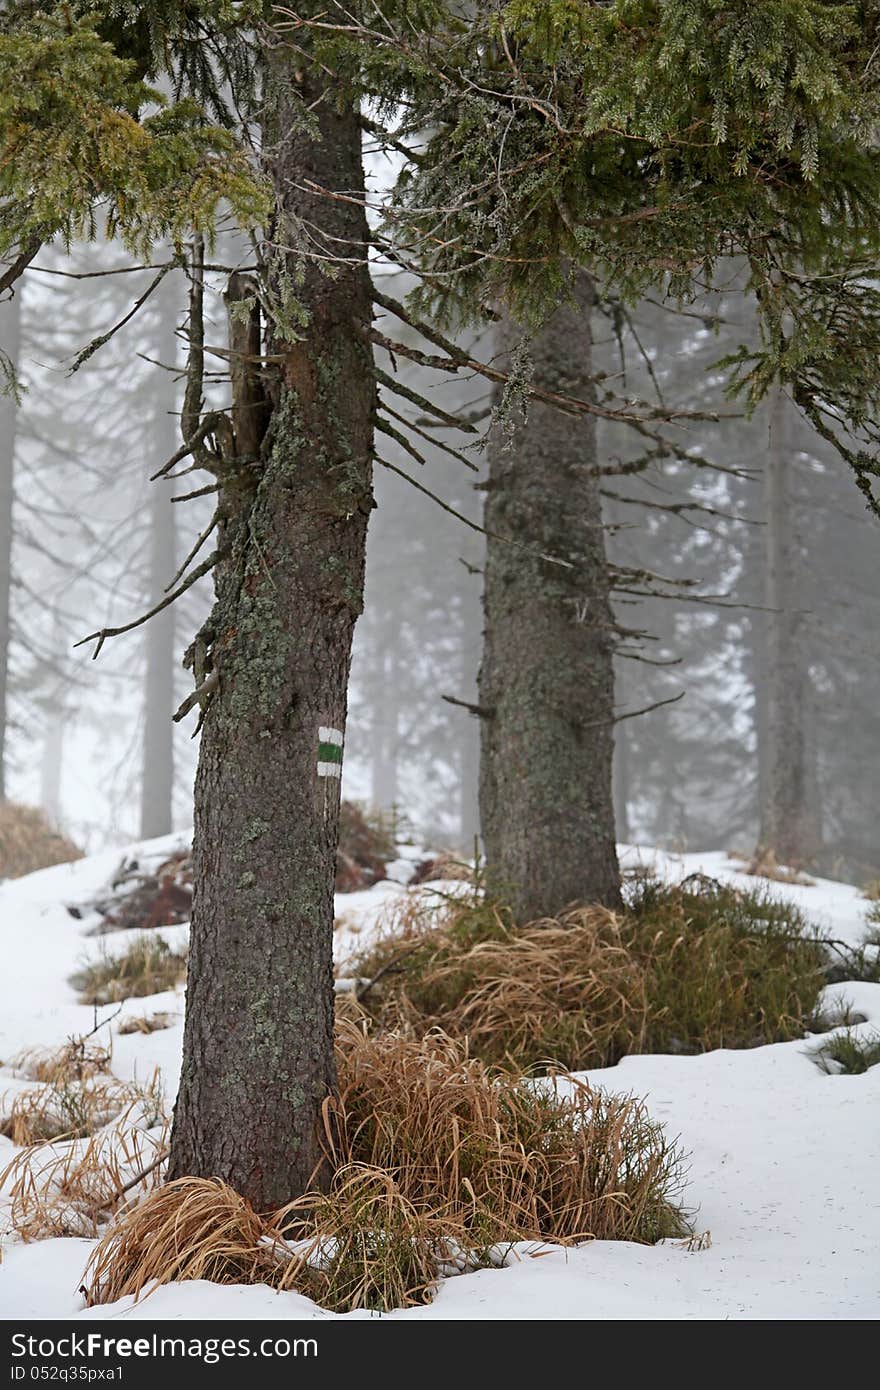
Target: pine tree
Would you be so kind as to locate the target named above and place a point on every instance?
(546, 679)
(639, 139)
(648, 142)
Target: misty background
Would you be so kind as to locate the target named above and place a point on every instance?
(87, 541)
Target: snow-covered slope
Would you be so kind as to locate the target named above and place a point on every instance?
(783, 1170)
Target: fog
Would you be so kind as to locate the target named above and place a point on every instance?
(90, 535)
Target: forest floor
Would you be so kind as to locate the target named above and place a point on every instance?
(782, 1173)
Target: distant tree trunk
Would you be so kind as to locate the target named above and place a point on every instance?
(546, 680)
(157, 778)
(56, 715)
(790, 815)
(258, 1044)
(10, 319)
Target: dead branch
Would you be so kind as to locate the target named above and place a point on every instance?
(100, 637)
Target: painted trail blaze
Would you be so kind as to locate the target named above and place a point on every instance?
(329, 752)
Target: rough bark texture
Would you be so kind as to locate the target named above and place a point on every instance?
(258, 1047)
(11, 321)
(790, 813)
(546, 681)
(157, 780)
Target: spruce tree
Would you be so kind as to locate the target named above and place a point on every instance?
(640, 139)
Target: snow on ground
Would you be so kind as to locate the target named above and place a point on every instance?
(838, 909)
(782, 1173)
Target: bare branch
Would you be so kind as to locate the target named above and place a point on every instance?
(103, 338)
(100, 637)
(30, 249)
(481, 711)
(456, 422)
(194, 551)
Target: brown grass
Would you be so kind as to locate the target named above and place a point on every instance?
(77, 1060)
(764, 864)
(71, 1109)
(146, 966)
(366, 1246)
(146, 1023)
(194, 1228)
(439, 1163)
(444, 866)
(28, 842)
(72, 1189)
(685, 968)
(505, 1158)
(554, 992)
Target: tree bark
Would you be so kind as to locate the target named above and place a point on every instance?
(546, 680)
(11, 344)
(790, 814)
(157, 779)
(258, 1045)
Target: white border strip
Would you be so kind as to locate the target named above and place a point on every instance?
(329, 769)
(330, 736)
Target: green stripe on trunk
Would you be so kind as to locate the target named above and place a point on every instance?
(329, 753)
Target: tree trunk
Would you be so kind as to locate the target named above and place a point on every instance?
(546, 680)
(790, 818)
(157, 779)
(258, 1044)
(56, 715)
(11, 344)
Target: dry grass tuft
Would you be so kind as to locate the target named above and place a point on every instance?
(440, 1165)
(360, 1245)
(193, 1228)
(148, 965)
(555, 992)
(684, 968)
(367, 1245)
(445, 866)
(73, 1109)
(28, 842)
(496, 1156)
(77, 1060)
(408, 916)
(764, 864)
(146, 1023)
(72, 1189)
(66, 1110)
